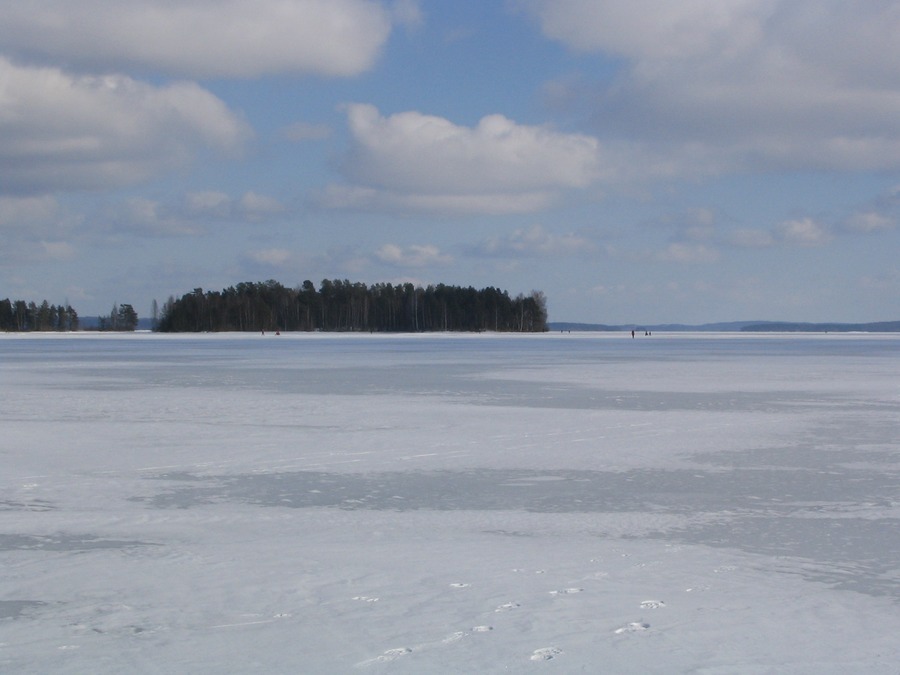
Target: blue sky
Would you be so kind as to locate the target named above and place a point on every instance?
(638, 161)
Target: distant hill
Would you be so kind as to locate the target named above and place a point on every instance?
(735, 326)
(668, 327)
(788, 327)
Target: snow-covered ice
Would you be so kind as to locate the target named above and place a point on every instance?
(711, 503)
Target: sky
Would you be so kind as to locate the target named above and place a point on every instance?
(636, 160)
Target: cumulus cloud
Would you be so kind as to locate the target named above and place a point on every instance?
(59, 132)
(416, 255)
(416, 161)
(747, 84)
(803, 232)
(429, 154)
(203, 38)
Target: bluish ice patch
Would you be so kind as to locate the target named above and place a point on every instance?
(14, 609)
(774, 511)
(64, 542)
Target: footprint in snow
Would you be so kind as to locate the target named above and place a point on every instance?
(633, 627)
(364, 598)
(567, 591)
(394, 654)
(459, 585)
(652, 604)
(545, 653)
(506, 606)
(482, 629)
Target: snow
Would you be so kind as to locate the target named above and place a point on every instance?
(711, 503)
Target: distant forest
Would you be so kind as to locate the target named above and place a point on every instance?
(21, 316)
(18, 316)
(344, 306)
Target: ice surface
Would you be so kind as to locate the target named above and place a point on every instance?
(449, 503)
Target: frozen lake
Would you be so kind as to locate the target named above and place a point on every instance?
(320, 503)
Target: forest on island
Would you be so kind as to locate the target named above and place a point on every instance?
(21, 316)
(344, 306)
(18, 316)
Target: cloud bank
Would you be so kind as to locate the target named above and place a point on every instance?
(200, 38)
(65, 132)
(743, 85)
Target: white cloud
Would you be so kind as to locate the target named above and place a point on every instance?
(273, 257)
(746, 84)
(359, 198)
(882, 214)
(803, 232)
(57, 250)
(428, 163)
(254, 206)
(642, 28)
(208, 204)
(151, 218)
(870, 221)
(202, 38)
(536, 241)
(30, 251)
(697, 224)
(63, 132)
(194, 214)
(216, 205)
(35, 229)
(17, 212)
(407, 13)
(683, 252)
(416, 255)
(429, 154)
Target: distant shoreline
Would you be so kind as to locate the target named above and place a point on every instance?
(735, 326)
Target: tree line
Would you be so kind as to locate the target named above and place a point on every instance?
(18, 315)
(344, 306)
(121, 318)
(21, 316)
